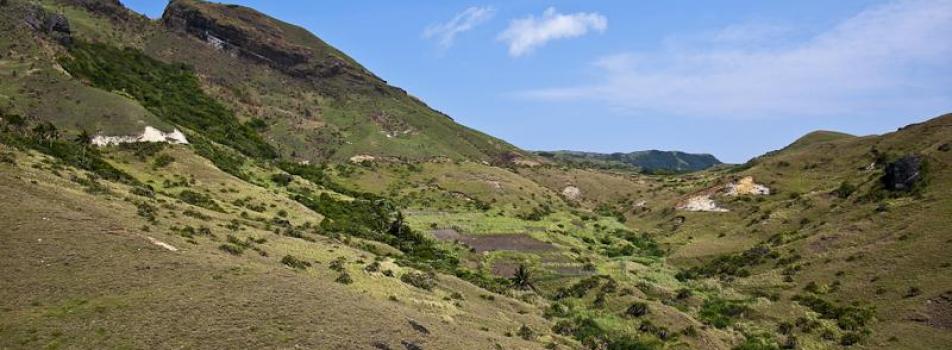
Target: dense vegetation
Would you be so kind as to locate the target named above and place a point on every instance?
(170, 91)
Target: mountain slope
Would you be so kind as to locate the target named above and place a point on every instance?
(231, 239)
(650, 161)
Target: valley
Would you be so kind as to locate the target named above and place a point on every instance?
(293, 199)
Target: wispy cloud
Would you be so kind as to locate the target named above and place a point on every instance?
(445, 33)
(526, 34)
(892, 58)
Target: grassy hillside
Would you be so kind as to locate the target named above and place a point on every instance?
(438, 237)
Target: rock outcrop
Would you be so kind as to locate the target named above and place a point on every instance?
(53, 25)
(903, 174)
(150, 134)
(252, 35)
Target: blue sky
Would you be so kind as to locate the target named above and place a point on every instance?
(731, 78)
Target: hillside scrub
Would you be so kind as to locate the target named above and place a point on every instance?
(170, 91)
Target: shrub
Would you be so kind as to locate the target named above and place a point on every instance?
(199, 200)
(344, 278)
(850, 338)
(282, 179)
(232, 249)
(721, 313)
(525, 332)
(845, 190)
(147, 211)
(420, 280)
(850, 318)
(295, 263)
(637, 309)
(338, 264)
(163, 160)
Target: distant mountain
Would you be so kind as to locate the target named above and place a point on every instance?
(649, 161)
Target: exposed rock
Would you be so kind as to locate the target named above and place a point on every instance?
(53, 25)
(150, 134)
(903, 174)
(380, 345)
(701, 203)
(252, 35)
(360, 158)
(746, 186)
(418, 327)
(572, 193)
(411, 345)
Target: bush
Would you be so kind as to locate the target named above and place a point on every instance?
(850, 338)
(199, 200)
(344, 278)
(282, 179)
(721, 313)
(850, 318)
(163, 160)
(845, 190)
(420, 280)
(637, 309)
(232, 249)
(525, 332)
(295, 263)
(338, 264)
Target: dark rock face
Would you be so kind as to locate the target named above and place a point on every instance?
(109, 8)
(251, 35)
(418, 327)
(54, 25)
(903, 174)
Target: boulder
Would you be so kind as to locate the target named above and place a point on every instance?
(903, 174)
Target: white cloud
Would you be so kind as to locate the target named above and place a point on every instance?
(526, 34)
(445, 33)
(893, 58)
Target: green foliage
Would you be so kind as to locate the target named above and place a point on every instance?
(721, 313)
(757, 343)
(845, 190)
(81, 156)
(170, 91)
(199, 200)
(730, 265)
(344, 278)
(163, 160)
(232, 249)
(282, 179)
(637, 309)
(420, 280)
(295, 263)
(849, 318)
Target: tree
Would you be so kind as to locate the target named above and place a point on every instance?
(522, 279)
(15, 122)
(46, 132)
(84, 139)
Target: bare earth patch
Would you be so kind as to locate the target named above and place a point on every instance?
(486, 243)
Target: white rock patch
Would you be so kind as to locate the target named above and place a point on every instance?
(150, 134)
(360, 158)
(702, 203)
(746, 186)
(572, 193)
(162, 244)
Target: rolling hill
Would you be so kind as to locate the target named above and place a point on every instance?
(309, 204)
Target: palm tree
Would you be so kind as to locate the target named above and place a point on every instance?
(84, 139)
(522, 278)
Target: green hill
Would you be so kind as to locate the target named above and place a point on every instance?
(435, 236)
(649, 161)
